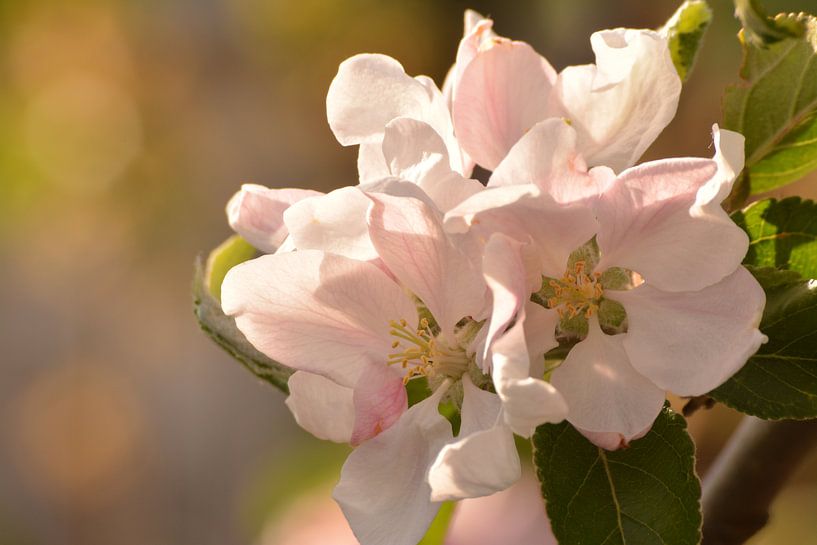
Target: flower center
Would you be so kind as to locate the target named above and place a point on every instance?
(422, 354)
(576, 292)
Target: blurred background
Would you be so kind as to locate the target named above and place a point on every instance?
(124, 128)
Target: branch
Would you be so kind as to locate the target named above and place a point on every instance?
(748, 474)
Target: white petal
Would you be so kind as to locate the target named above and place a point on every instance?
(691, 342)
(321, 406)
(383, 488)
(414, 150)
(257, 214)
(371, 165)
(335, 223)
(368, 92)
(603, 391)
(729, 155)
(622, 103)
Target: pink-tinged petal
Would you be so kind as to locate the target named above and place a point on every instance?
(256, 213)
(478, 31)
(334, 223)
(503, 92)
(691, 342)
(371, 165)
(729, 155)
(610, 440)
(316, 312)
(368, 92)
(649, 223)
(622, 103)
(526, 214)
(510, 283)
(383, 488)
(547, 157)
(379, 400)
(483, 459)
(603, 391)
(322, 407)
(409, 238)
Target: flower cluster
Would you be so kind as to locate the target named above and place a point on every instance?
(573, 285)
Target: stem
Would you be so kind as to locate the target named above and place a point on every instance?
(748, 474)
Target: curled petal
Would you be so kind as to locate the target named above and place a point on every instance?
(603, 391)
(334, 223)
(383, 488)
(649, 223)
(691, 342)
(503, 92)
(305, 310)
(322, 407)
(257, 214)
(622, 103)
(483, 459)
(528, 400)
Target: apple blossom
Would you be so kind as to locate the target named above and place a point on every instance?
(354, 351)
(657, 299)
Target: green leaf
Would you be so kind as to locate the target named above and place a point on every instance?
(647, 493)
(439, 526)
(227, 255)
(775, 104)
(222, 329)
(780, 381)
(782, 234)
(685, 31)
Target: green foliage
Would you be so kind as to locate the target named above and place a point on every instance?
(685, 31)
(780, 381)
(439, 526)
(782, 234)
(223, 331)
(775, 104)
(647, 493)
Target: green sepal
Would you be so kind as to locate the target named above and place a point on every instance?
(685, 31)
(222, 329)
